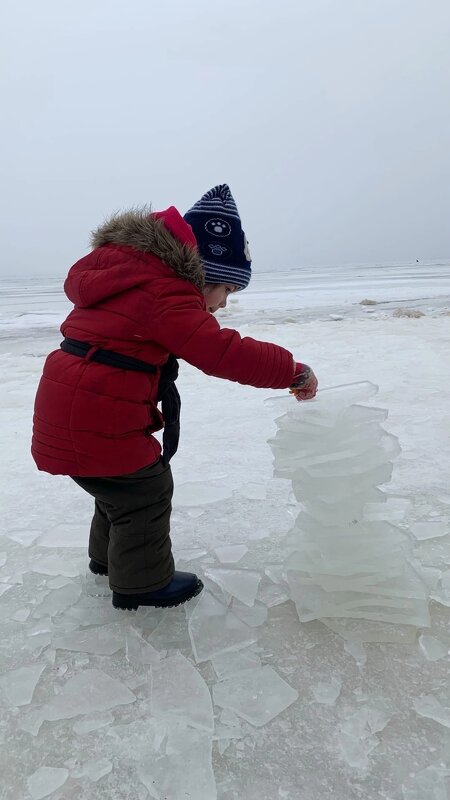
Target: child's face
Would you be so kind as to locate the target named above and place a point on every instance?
(216, 295)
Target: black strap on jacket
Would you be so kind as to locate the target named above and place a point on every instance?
(167, 391)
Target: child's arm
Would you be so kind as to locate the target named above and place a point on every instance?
(186, 329)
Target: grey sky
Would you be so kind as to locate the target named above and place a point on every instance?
(329, 119)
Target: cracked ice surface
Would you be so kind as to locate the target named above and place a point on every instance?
(336, 750)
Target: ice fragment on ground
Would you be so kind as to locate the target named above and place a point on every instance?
(138, 649)
(101, 640)
(356, 734)
(56, 565)
(227, 664)
(91, 690)
(256, 695)
(24, 537)
(5, 587)
(272, 594)
(214, 629)
(429, 530)
(430, 707)
(58, 601)
(357, 650)
(58, 582)
(432, 648)
(357, 630)
(167, 776)
(3, 559)
(92, 722)
(196, 493)
(240, 583)
(18, 685)
(431, 783)
(230, 554)
(64, 536)
(327, 693)
(93, 770)
(253, 491)
(46, 780)
(253, 616)
(21, 615)
(178, 690)
(171, 631)
(190, 554)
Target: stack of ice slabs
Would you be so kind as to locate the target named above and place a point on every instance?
(342, 562)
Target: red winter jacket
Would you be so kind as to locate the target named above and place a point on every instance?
(139, 292)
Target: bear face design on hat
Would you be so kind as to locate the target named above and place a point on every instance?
(221, 241)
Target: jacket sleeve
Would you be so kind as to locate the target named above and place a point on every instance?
(187, 330)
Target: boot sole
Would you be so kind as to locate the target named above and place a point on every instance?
(133, 604)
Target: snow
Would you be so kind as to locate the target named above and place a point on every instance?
(255, 702)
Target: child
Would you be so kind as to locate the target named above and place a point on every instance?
(145, 294)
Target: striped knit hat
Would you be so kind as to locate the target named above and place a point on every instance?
(221, 241)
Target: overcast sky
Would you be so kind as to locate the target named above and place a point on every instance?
(329, 119)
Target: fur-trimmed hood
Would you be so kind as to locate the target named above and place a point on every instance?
(164, 234)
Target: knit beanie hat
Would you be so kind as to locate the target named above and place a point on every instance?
(221, 241)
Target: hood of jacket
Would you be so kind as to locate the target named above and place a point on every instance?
(163, 234)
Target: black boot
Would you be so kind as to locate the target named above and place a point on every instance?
(97, 568)
(182, 587)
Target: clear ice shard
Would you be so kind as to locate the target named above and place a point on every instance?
(430, 707)
(92, 722)
(138, 649)
(93, 770)
(231, 553)
(101, 640)
(256, 695)
(46, 780)
(183, 769)
(327, 692)
(58, 600)
(18, 685)
(432, 648)
(197, 493)
(430, 783)
(56, 565)
(240, 583)
(227, 664)
(430, 530)
(179, 691)
(345, 557)
(214, 629)
(64, 536)
(91, 690)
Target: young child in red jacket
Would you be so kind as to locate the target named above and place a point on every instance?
(143, 297)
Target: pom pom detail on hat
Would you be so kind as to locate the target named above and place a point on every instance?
(221, 241)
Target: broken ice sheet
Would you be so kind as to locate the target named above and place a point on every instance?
(58, 601)
(18, 685)
(197, 493)
(253, 491)
(429, 530)
(190, 553)
(430, 707)
(3, 559)
(227, 664)
(92, 722)
(23, 536)
(178, 690)
(167, 776)
(21, 615)
(256, 695)
(327, 692)
(91, 690)
(65, 535)
(253, 616)
(432, 648)
(240, 583)
(214, 629)
(101, 640)
(5, 587)
(357, 650)
(93, 770)
(431, 783)
(272, 594)
(56, 565)
(231, 553)
(46, 780)
(138, 649)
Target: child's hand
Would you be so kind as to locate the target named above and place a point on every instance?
(304, 385)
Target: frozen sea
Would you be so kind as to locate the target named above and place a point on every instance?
(235, 698)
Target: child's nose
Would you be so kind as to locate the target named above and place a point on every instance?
(223, 303)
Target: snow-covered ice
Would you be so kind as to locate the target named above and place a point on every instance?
(80, 686)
